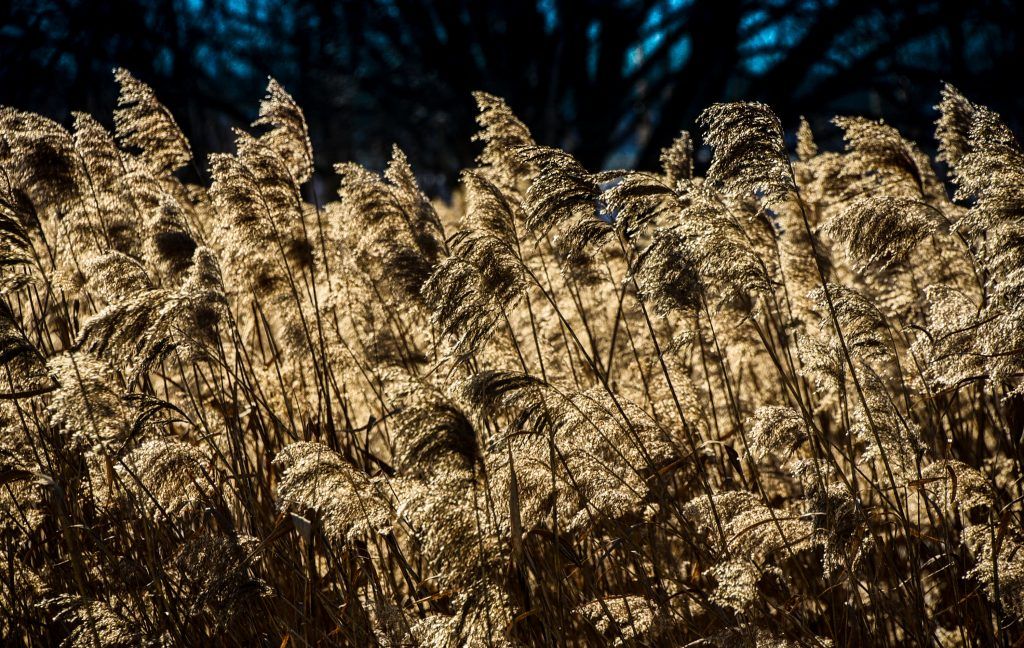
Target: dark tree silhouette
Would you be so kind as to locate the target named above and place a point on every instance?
(613, 81)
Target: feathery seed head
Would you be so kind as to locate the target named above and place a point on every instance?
(749, 151)
(288, 136)
(143, 123)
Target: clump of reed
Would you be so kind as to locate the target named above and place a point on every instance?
(778, 405)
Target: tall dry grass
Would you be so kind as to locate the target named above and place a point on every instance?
(780, 405)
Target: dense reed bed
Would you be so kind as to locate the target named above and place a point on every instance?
(779, 405)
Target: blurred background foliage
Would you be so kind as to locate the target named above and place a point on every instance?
(611, 81)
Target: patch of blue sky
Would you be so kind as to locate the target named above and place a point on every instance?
(240, 27)
(593, 48)
(982, 45)
(661, 21)
(550, 12)
(766, 33)
(858, 41)
(679, 53)
(927, 47)
(765, 38)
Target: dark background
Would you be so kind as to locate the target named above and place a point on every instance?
(612, 81)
